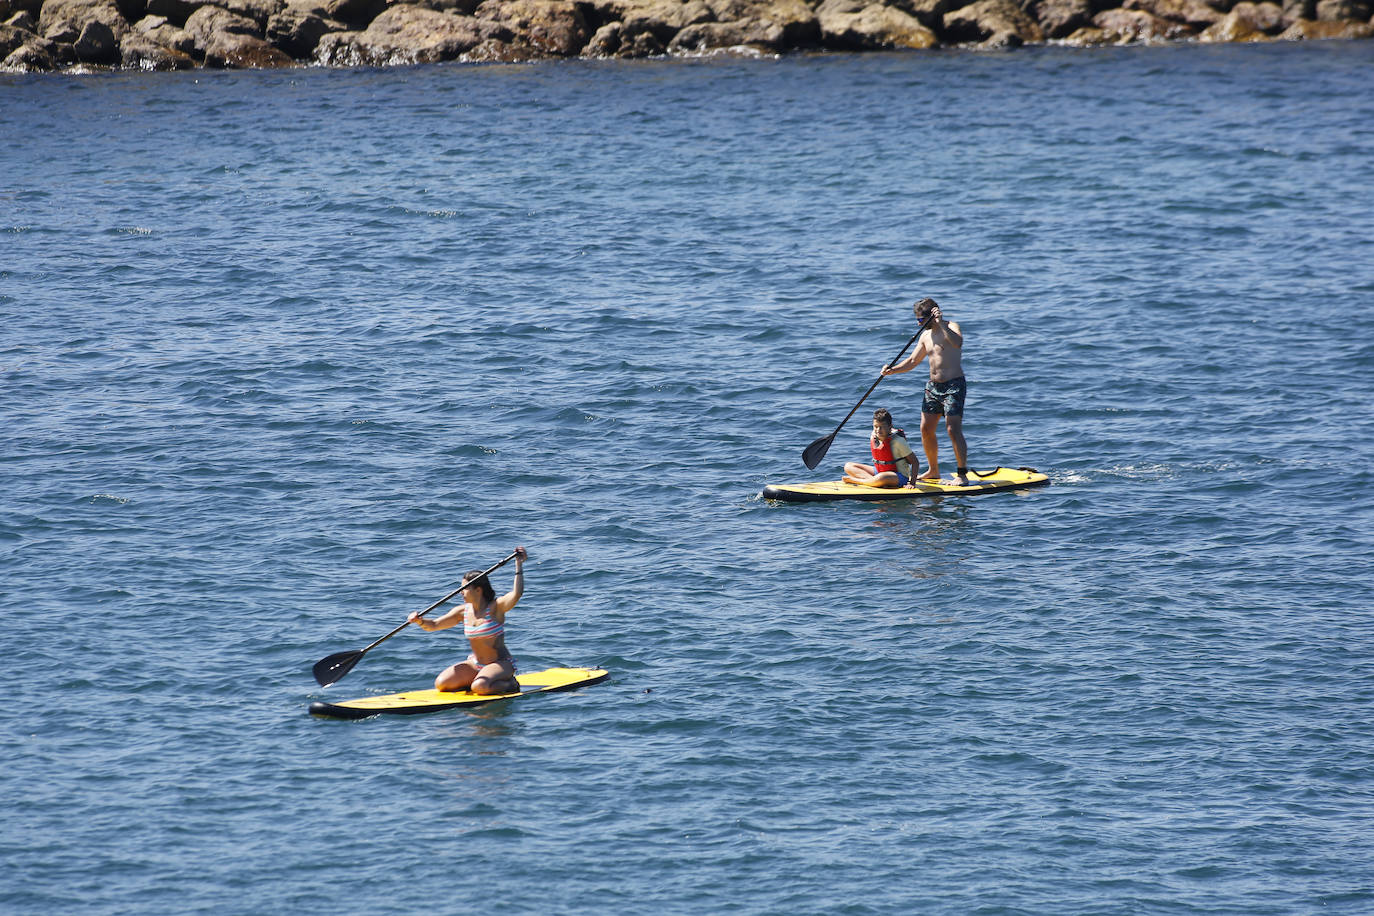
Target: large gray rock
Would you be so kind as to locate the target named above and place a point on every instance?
(32, 56)
(1293, 10)
(23, 20)
(931, 13)
(1343, 10)
(96, 44)
(409, 34)
(12, 39)
(210, 21)
(716, 36)
(1266, 17)
(141, 51)
(62, 31)
(621, 39)
(1313, 30)
(795, 17)
(1091, 37)
(257, 10)
(1194, 13)
(1138, 25)
(553, 27)
(38, 54)
(992, 24)
(298, 32)
(859, 26)
(236, 51)
(80, 12)
(667, 17)
(160, 31)
(1061, 18)
(1243, 23)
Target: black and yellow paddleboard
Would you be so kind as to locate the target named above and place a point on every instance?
(979, 482)
(417, 701)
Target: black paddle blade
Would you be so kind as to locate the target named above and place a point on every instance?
(816, 451)
(331, 669)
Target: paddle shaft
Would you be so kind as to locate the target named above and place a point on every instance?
(831, 438)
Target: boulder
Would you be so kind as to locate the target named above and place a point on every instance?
(62, 31)
(796, 19)
(210, 21)
(930, 13)
(1091, 37)
(298, 32)
(1293, 10)
(12, 38)
(619, 39)
(718, 36)
(667, 17)
(1061, 18)
(37, 55)
(1313, 30)
(409, 34)
(23, 20)
(992, 24)
(1193, 13)
(257, 10)
(1236, 26)
(30, 57)
(161, 32)
(96, 44)
(1265, 17)
(552, 27)
(1343, 10)
(858, 26)
(237, 51)
(1138, 25)
(606, 41)
(141, 51)
(80, 12)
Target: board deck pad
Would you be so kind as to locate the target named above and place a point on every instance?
(979, 482)
(417, 701)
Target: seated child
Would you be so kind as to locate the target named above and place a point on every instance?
(894, 464)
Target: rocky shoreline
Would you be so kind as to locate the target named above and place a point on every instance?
(42, 35)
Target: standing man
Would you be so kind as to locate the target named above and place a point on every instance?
(944, 395)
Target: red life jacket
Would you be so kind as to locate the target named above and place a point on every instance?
(883, 459)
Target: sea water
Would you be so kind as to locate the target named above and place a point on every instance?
(285, 353)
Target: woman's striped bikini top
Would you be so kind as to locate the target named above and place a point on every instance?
(486, 627)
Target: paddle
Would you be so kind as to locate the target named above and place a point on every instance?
(332, 669)
(816, 450)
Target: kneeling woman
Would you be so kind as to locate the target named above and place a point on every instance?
(893, 465)
(489, 669)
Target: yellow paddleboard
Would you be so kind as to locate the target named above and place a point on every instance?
(979, 482)
(417, 701)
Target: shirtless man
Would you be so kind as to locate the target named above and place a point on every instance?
(944, 395)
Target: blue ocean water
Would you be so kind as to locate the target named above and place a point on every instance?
(285, 353)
